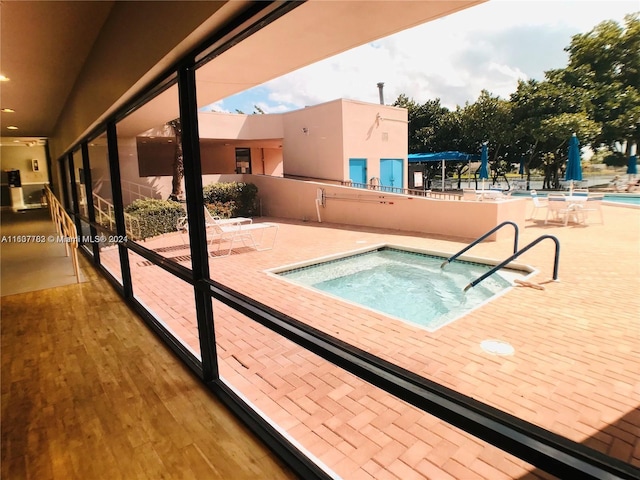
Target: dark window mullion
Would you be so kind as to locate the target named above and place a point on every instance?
(195, 212)
(88, 189)
(118, 207)
(63, 182)
(74, 195)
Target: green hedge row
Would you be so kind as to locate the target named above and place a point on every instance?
(226, 200)
(155, 216)
(232, 199)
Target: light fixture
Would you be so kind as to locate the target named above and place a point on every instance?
(12, 127)
(7, 110)
(305, 130)
(3, 78)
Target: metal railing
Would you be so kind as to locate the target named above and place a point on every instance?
(481, 238)
(66, 228)
(404, 191)
(134, 191)
(104, 211)
(516, 255)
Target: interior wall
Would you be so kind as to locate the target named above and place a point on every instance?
(123, 54)
(20, 158)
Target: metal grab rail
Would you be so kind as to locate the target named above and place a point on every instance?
(104, 212)
(516, 255)
(478, 240)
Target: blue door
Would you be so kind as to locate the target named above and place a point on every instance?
(391, 174)
(358, 170)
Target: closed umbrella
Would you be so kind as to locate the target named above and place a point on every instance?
(484, 163)
(632, 167)
(521, 169)
(574, 169)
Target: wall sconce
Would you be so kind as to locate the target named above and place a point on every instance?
(305, 130)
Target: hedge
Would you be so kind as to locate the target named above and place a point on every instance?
(231, 199)
(156, 216)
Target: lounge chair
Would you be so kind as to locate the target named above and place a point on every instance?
(538, 203)
(221, 231)
(232, 230)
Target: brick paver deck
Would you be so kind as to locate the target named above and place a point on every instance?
(575, 371)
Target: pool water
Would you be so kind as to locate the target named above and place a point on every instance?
(624, 198)
(407, 285)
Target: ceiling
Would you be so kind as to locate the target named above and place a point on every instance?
(43, 46)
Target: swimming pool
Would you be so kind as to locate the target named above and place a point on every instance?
(406, 284)
(621, 199)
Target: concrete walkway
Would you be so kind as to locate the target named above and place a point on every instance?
(29, 259)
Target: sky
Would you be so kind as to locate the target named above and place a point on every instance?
(490, 46)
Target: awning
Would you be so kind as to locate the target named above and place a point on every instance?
(442, 156)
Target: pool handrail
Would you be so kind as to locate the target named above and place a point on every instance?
(516, 255)
(479, 239)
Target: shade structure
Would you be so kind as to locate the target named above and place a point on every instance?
(484, 164)
(450, 156)
(632, 166)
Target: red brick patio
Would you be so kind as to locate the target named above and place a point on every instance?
(575, 371)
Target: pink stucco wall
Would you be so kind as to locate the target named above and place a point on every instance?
(287, 198)
(238, 126)
(312, 144)
(319, 140)
(374, 132)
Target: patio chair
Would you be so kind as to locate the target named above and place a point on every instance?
(594, 204)
(559, 209)
(220, 232)
(538, 203)
(182, 225)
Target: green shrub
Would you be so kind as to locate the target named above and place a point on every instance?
(615, 159)
(237, 198)
(156, 216)
(222, 210)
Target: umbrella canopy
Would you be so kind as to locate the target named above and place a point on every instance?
(574, 169)
(484, 162)
(521, 169)
(632, 167)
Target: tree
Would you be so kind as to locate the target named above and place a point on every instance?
(488, 119)
(178, 164)
(424, 123)
(606, 62)
(545, 114)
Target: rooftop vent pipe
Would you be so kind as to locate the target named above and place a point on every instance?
(380, 88)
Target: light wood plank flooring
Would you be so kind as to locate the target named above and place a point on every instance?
(89, 392)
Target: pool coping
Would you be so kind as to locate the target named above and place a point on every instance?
(530, 271)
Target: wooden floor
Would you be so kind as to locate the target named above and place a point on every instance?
(89, 392)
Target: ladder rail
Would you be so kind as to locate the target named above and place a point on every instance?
(479, 239)
(516, 255)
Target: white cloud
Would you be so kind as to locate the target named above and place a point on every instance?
(489, 46)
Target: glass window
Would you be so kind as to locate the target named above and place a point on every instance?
(169, 299)
(102, 194)
(152, 176)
